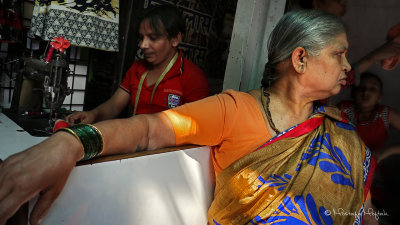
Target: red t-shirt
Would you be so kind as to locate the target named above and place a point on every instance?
(373, 132)
(184, 82)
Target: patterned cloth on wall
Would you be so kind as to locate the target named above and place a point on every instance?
(86, 23)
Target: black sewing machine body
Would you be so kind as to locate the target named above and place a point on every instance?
(40, 90)
(53, 77)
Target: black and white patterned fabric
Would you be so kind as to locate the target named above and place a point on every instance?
(84, 23)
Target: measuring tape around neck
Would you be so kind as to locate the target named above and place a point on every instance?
(160, 78)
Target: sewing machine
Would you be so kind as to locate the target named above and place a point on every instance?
(53, 76)
(40, 90)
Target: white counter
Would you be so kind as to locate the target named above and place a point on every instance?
(13, 138)
(174, 187)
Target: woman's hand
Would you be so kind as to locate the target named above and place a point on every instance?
(385, 51)
(85, 117)
(42, 169)
(108, 110)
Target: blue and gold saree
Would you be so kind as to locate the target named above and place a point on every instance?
(317, 172)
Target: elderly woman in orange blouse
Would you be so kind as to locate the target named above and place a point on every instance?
(278, 153)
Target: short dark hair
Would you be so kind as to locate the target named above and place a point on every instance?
(306, 4)
(164, 19)
(374, 76)
(363, 76)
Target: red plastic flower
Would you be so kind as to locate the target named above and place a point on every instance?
(60, 43)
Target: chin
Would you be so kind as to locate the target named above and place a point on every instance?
(149, 61)
(335, 91)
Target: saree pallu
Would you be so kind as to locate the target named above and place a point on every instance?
(317, 172)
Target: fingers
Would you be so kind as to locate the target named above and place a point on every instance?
(68, 119)
(43, 204)
(6, 210)
(9, 207)
(11, 199)
(75, 118)
(71, 118)
(14, 186)
(42, 168)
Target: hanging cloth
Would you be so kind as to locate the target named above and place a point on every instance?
(92, 24)
(10, 21)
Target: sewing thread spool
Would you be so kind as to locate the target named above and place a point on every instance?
(50, 53)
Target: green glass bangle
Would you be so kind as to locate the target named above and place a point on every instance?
(90, 137)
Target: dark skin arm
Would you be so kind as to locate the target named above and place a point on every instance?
(44, 168)
(108, 110)
(385, 51)
(394, 121)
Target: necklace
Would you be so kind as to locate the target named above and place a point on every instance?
(265, 94)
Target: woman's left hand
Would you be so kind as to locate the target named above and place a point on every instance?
(42, 169)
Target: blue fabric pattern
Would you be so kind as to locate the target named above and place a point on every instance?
(299, 211)
(346, 126)
(335, 162)
(276, 181)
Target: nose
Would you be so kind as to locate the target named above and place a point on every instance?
(346, 65)
(364, 92)
(144, 43)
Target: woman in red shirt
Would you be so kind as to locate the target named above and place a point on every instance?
(164, 79)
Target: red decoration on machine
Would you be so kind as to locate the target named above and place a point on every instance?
(58, 43)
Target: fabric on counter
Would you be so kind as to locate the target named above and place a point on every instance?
(84, 23)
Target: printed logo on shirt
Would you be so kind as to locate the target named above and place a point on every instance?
(173, 100)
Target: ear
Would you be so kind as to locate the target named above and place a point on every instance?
(299, 59)
(176, 40)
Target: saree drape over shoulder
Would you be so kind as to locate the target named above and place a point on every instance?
(317, 172)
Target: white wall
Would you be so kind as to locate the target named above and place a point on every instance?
(254, 21)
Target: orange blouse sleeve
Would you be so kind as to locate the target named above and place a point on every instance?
(231, 123)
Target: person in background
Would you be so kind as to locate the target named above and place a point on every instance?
(372, 121)
(386, 51)
(163, 79)
(278, 154)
